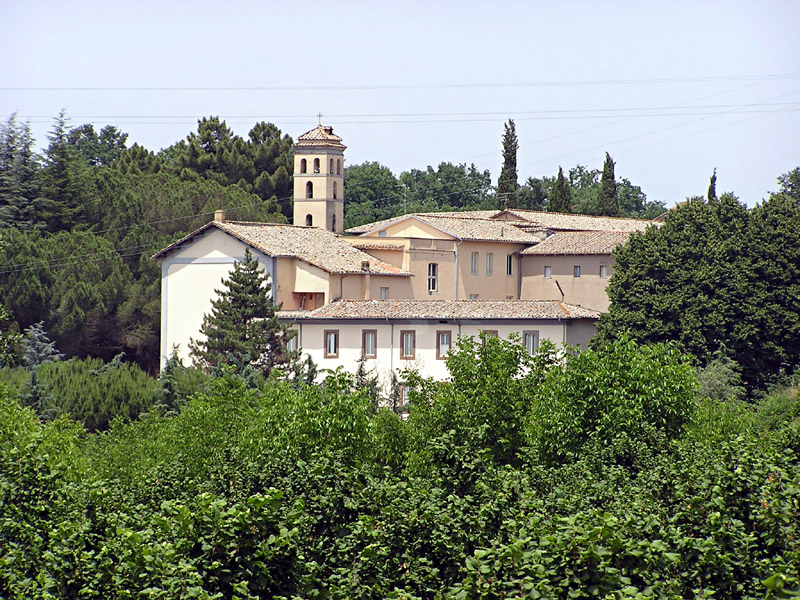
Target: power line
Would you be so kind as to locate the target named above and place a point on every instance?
(416, 86)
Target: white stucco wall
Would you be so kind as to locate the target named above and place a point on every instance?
(312, 341)
(189, 276)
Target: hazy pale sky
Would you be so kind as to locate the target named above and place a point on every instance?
(671, 90)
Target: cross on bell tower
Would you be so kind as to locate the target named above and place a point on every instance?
(319, 179)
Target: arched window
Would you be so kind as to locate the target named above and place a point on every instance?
(339, 166)
(316, 165)
(303, 166)
(309, 220)
(309, 190)
(331, 171)
(334, 190)
(333, 223)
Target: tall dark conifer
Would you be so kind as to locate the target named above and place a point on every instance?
(712, 187)
(19, 176)
(561, 197)
(607, 204)
(243, 327)
(507, 182)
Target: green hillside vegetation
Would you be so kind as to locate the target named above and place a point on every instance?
(604, 476)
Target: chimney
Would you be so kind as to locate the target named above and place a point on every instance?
(365, 266)
(219, 216)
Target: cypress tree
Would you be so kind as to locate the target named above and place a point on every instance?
(561, 197)
(607, 204)
(507, 182)
(243, 328)
(712, 187)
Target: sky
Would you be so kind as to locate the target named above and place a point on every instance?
(671, 90)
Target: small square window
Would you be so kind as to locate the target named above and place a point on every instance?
(473, 296)
(548, 271)
(576, 271)
(444, 341)
(384, 293)
(369, 343)
(382, 233)
(531, 341)
(332, 343)
(408, 344)
(603, 271)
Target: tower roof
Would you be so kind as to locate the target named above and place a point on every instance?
(321, 135)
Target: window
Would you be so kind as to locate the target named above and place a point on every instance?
(548, 271)
(382, 233)
(487, 333)
(316, 165)
(335, 190)
(433, 277)
(309, 221)
(369, 343)
(489, 263)
(576, 271)
(531, 341)
(333, 222)
(331, 170)
(444, 340)
(603, 271)
(474, 264)
(303, 166)
(473, 296)
(384, 293)
(509, 264)
(509, 297)
(309, 190)
(408, 344)
(291, 345)
(332, 343)
(338, 166)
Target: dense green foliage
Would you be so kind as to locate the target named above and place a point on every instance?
(309, 492)
(560, 199)
(242, 327)
(716, 274)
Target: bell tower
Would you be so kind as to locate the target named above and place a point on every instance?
(319, 179)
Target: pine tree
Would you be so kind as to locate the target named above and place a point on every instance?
(37, 347)
(561, 197)
(607, 204)
(243, 327)
(712, 187)
(507, 182)
(10, 339)
(19, 176)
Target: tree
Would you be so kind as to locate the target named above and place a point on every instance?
(712, 187)
(37, 347)
(372, 193)
(243, 324)
(561, 198)
(607, 204)
(507, 182)
(449, 187)
(532, 195)
(19, 176)
(98, 150)
(10, 339)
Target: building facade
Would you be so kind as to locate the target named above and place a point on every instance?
(415, 281)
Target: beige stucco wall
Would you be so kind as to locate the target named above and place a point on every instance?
(189, 276)
(412, 228)
(498, 285)
(312, 342)
(588, 290)
(323, 206)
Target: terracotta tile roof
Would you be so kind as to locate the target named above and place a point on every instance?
(462, 227)
(570, 222)
(579, 242)
(321, 135)
(445, 309)
(318, 247)
(361, 245)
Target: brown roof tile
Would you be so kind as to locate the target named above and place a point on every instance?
(570, 222)
(445, 309)
(462, 227)
(321, 135)
(579, 242)
(318, 247)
